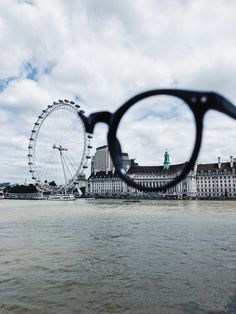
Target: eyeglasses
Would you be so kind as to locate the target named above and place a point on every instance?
(152, 119)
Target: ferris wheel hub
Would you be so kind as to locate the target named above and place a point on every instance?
(59, 147)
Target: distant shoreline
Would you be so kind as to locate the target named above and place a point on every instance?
(130, 199)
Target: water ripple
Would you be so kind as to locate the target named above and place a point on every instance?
(106, 256)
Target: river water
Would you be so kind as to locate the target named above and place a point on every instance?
(110, 256)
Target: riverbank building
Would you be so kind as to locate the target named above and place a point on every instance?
(205, 181)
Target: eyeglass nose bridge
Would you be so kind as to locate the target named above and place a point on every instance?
(94, 118)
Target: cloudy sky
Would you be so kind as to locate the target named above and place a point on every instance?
(104, 52)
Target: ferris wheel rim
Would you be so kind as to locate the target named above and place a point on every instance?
(59, 105)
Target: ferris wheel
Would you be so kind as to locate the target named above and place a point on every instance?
(59, 147)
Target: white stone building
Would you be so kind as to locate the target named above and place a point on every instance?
(158, 176)
(106, 183)
(215, 180)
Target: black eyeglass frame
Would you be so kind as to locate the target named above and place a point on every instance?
(199, 103)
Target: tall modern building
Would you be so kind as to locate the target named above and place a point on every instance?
(102, 161)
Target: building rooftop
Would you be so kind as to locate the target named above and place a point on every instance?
(159, 170)
(102, 147)
(102, 174)
(214, 166)
(155, 169)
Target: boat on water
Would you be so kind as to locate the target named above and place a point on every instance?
(61, 197)
(1, 195)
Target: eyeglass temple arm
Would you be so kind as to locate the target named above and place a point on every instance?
(92, 119)
(223, 105)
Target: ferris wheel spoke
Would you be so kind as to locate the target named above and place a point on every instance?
(73, 141)
(63, 125)
(57, 126)
(68, 168)
(70, 163)
(70, 133)
(66, 123)
(72, 158)
(54, 125)
(49, 172)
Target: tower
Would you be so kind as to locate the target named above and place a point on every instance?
(102, 159)
(166, 160)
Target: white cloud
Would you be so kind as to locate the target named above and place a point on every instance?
(105, 52)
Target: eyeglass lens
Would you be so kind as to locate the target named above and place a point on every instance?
(158, 134)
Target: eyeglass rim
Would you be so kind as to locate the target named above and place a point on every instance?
(115, 148)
